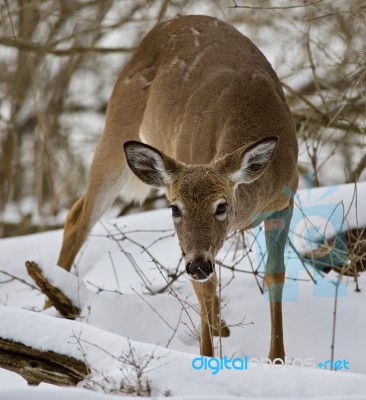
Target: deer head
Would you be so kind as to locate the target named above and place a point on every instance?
(203, 198)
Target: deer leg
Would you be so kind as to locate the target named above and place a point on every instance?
(219, 326)
(103, 188)
(108, 175)
(276, 233)
(101, 192)
(109, 171)
(206, 293)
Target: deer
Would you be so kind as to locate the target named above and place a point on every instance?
(199, 112)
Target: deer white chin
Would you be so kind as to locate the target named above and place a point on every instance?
(201, 280)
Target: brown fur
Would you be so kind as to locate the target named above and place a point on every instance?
(203, 95)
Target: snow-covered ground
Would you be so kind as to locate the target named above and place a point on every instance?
(114, 282)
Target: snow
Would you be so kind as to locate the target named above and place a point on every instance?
(78, 394)
(171, 369)
(113, 284)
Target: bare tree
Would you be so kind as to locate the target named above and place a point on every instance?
(59, 60)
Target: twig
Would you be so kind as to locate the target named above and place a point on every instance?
(304, 99)
(182, 302)
(72, 51)
(176, 328)
(355, 174)
(304, 116)
(114, 269)
(332, 346)
(158, 240)
(154, 309)
(275, 7)
(10, 17)
(337, 14)
(173, 278)
(16, 278)
(128, 255)
(301, 258)
(100, 289)
(314, 72)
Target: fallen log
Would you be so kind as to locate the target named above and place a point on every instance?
(37, 366)
(56, 297)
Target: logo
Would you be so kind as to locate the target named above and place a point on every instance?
(215, 365)
(316, 239)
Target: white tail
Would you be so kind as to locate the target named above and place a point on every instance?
(201, 113)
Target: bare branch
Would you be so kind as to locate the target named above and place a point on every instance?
(10, 17)
(304, 116)
(337, 13)
(72, 51)
(275, 7)
(16, 278)
(358, 170)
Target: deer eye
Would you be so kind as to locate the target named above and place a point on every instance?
(175, 211)
(221, 209)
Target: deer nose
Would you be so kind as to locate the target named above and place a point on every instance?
(199, 270)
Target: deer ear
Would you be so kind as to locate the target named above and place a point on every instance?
(254, 160)
(149, 164)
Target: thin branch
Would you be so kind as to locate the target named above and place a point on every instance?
(304, 99)
(275, 7)
(72, 51)
(336, 14)
(16, 278)
(314, 72)
(10, 17)
(183, 303)
(355, 174)
(176, 328)
(332, 346)
(154, 309)
(304, 116)
(101, 290)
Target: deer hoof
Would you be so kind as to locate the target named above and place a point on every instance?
(223, 330)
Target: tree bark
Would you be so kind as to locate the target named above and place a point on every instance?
(57, 298)
(37, 366)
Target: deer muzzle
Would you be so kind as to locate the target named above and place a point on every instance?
(199, 270)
